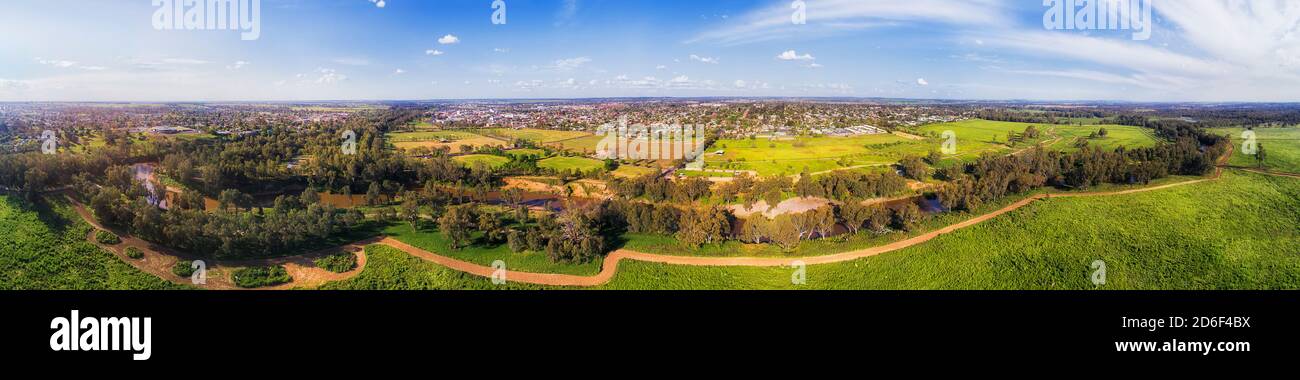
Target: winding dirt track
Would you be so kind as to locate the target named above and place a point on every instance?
(306, 275)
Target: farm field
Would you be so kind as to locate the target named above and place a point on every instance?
(571, 163)
(1281, 147)
(44, 247)
(1236, 233)
(541, 136)
(435, 139)
(486, 159)
(815, 154)
(583, 145)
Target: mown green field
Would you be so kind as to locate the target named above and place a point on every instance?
(486, 159)
(1281, 147)
(815, 154)
(1237, 233)
(571, 163)
(44, 247)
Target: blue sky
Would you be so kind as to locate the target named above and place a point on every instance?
(109, 50)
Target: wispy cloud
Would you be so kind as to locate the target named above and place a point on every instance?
(834, 17)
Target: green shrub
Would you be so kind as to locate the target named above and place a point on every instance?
(257, 277)
(105, 237)
(183, 269)
(134, 253)
(339, 263)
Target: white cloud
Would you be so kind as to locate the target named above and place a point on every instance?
(66, 64)
(922, 82)
(814, 65)
(399, 72)
(238, 65)
(500, 50)
(790, 55)
(329, 76)
(378, 3)
(434, 52)
(449, 40)
(569, 63)
(709, 60)
(661, 67)
(740, 83)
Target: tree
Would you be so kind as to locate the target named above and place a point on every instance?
(410, 212)
(822, 220)
(1103, 132)
(934, 156)
(755, 229)
(854, 215)
(372, 194)
(878, 218)
(1260, 156)
(517, 242)
(309, 197)
(784, 232)
(913, 168)
(492, 226)
(702, 226)
(455, 225)
(906, 217)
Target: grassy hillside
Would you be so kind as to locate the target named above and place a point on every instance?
(44, 247)
(1282, 146)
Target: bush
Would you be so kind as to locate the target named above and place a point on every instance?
(339, 263)
(257, 277)
(183, 269)
(134, 253)
(105, 237)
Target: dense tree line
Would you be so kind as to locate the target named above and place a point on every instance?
(290, 227)
(993, 177)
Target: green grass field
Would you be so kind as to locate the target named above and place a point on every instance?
(977, 137)
(815, 154)
(44, 247)
(1116, 136)
(571, 163)
(1236, 233)
(1281, 145)
(486, 159)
